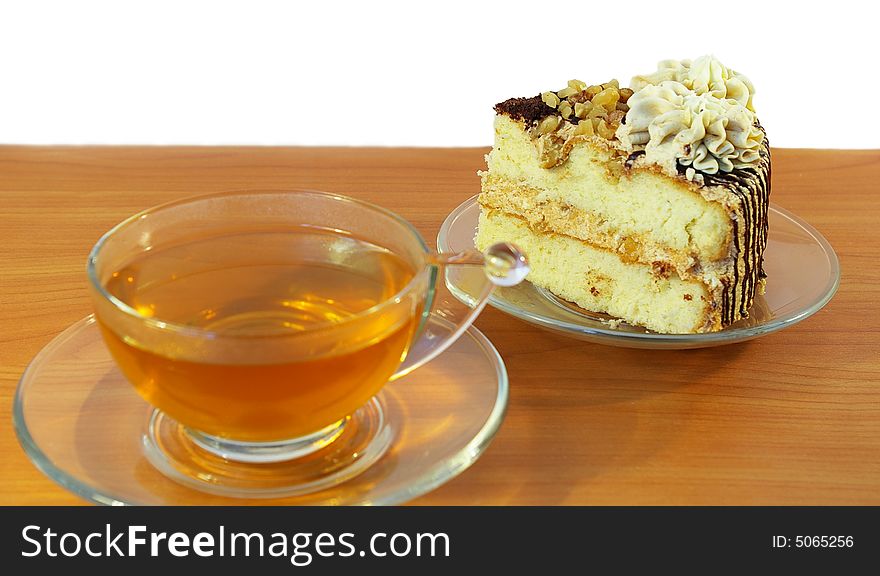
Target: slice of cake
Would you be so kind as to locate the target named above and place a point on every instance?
(646, 203)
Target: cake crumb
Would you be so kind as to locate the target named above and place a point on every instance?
(661, 269)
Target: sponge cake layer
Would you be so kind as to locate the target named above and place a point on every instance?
(598, 280)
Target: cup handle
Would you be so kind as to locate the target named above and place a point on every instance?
(459, 288)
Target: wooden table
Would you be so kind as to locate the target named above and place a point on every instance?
(790, 418)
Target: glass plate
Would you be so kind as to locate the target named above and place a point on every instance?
(83, 425)
(802, 275)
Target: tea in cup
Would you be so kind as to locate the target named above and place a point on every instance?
(261, 326)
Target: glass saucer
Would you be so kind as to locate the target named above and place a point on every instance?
(802, 275)
(84, 426)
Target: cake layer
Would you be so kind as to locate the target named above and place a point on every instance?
(667, 217)
(599, 280)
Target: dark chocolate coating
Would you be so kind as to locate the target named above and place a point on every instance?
(525, 109)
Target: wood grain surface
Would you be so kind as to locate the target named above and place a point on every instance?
(790, 418)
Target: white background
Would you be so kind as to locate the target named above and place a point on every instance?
(407, 73)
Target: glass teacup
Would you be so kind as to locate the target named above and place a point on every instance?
(261, 327)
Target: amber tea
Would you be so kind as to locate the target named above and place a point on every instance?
(261, 327)
(301, 298)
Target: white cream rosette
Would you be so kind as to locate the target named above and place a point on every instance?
(705, 75)
(674, 124)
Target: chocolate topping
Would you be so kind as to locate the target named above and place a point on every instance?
(525, 109)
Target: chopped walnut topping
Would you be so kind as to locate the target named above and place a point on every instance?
(551, 150)
(581, 110)
(550, 99)
(548, 124)
(578, 101)
(584, 128)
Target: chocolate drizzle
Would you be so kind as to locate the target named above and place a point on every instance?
(628, 163)
(751, 186)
